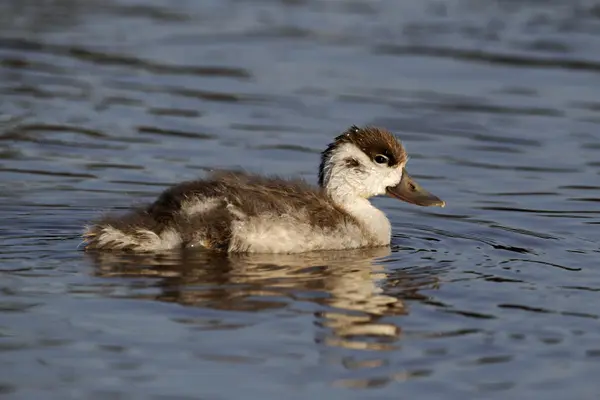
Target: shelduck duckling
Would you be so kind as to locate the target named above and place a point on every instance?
(243, 212)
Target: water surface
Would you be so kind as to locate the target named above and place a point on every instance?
(105, 103)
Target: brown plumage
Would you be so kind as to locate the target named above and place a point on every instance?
(242, 193)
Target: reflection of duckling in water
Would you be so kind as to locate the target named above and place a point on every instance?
(240, 212)
(351, 287)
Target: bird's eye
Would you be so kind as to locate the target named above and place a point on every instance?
(381, 159)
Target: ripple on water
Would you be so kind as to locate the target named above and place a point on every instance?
(108, 103)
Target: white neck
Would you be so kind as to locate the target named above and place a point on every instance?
(350, 188)
(373, 219)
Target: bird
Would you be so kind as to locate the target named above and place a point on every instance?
(243, 212)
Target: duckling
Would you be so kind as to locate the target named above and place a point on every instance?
(248, 213)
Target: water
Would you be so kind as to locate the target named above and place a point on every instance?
(105, 103)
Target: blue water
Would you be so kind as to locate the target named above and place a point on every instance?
(103, 104)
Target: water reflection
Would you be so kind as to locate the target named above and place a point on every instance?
(353, 290)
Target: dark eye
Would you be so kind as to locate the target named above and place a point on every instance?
(381, 159)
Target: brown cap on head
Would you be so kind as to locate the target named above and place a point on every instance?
(372, 141)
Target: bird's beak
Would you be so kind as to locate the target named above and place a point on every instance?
(410, 191)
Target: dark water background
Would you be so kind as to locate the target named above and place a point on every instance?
(103, 103)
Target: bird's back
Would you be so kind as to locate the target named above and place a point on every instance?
(233, 211)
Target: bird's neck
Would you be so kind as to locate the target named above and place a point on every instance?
(373, 219)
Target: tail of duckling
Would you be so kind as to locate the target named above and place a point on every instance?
(137, 231)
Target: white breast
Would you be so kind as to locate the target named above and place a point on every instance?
(373, 219)
(287, 234)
